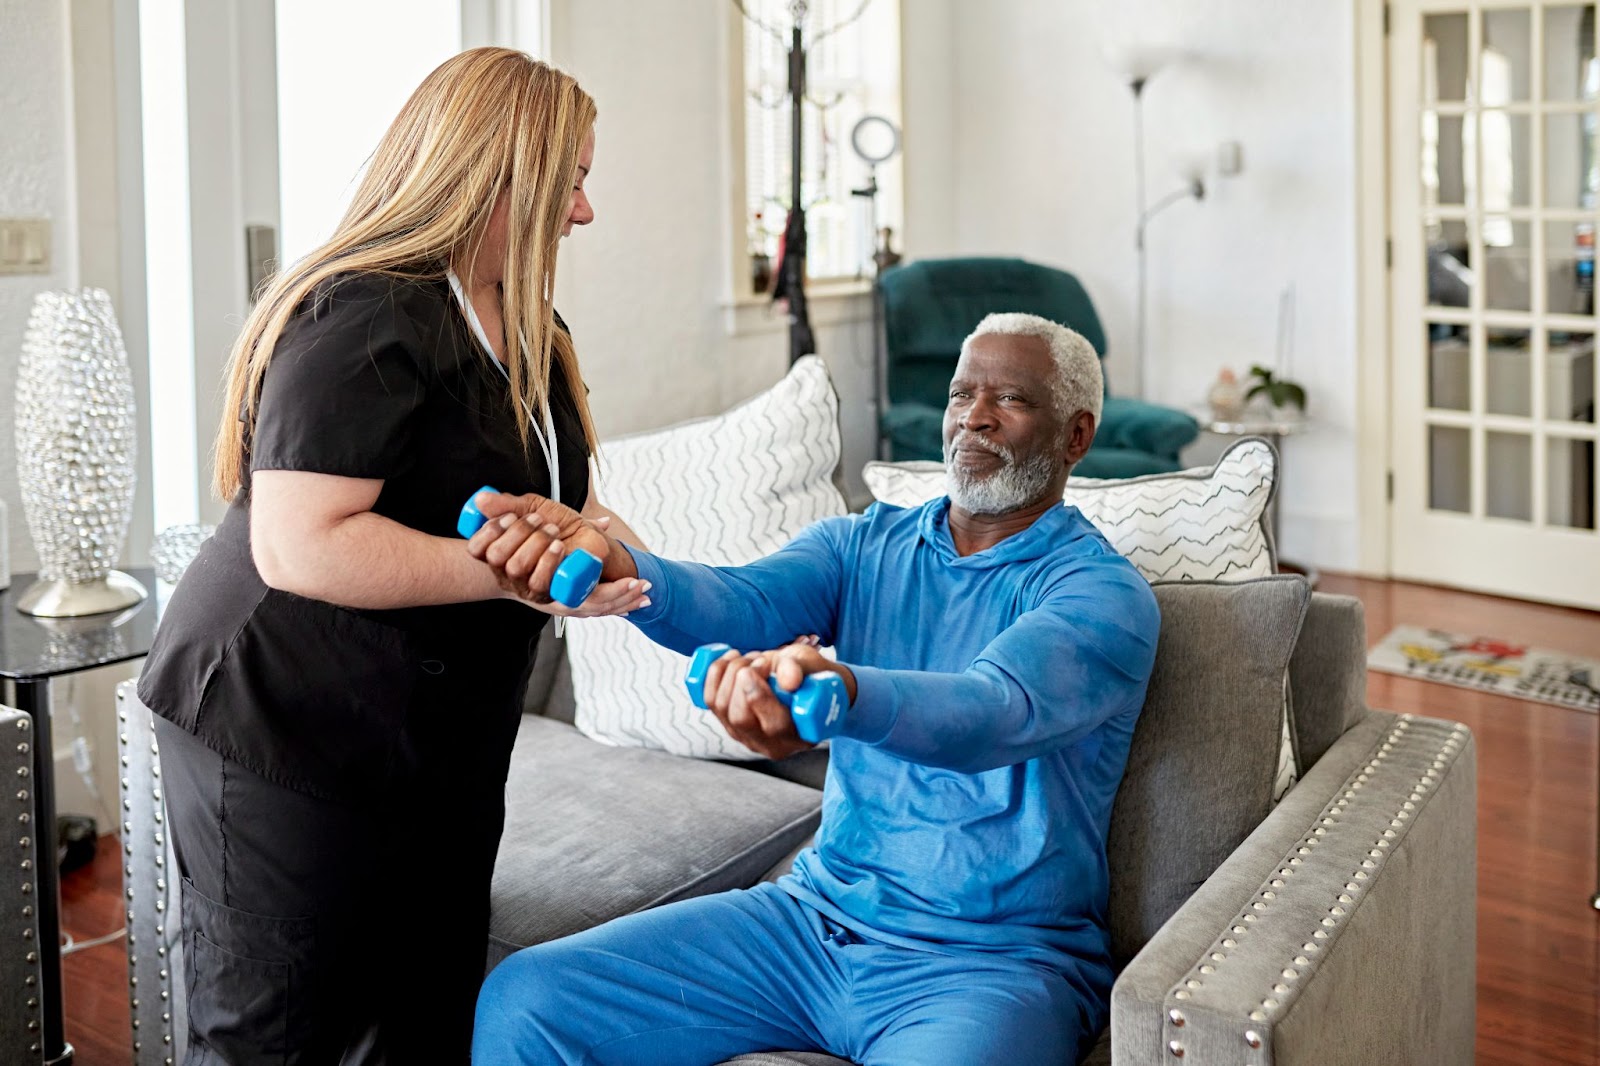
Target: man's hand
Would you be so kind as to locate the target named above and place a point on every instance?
(737, 693)
(525, 539)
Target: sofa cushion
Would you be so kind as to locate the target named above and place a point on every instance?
(1203, 763)
(1145, 427)
(595, 832)
(724, 491)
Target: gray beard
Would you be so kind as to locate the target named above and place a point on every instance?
(1015, 485)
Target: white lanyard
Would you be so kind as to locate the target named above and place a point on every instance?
(546, 437)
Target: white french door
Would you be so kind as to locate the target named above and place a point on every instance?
(1494, 124)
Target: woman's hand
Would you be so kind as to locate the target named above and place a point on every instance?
(527, 537)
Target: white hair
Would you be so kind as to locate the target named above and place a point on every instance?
(1078, 384)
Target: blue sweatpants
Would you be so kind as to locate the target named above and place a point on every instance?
(697, 982)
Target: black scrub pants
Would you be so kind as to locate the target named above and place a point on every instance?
(325, 932)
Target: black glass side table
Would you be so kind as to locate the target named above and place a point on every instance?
(32, 651)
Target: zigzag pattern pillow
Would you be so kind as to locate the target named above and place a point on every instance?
(1205, 524)
(724, 491)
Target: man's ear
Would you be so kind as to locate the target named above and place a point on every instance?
(1080, 434)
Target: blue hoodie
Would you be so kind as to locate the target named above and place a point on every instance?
(969, 797)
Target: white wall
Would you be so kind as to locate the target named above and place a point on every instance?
(1044, 170)
(36, 181)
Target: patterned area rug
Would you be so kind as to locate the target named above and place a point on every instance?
(1490, 665)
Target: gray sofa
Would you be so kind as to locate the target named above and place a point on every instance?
(1334, 927)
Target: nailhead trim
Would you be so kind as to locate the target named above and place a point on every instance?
(149, 1018)
(28, 931)
(1345, 901)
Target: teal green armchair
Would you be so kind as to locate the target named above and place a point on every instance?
(930, 306)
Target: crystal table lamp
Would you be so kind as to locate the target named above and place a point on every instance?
(75, 454)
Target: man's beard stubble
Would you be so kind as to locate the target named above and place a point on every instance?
(1015, 485)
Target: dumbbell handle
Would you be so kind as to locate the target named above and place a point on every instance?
(817, 707)
(573, 580)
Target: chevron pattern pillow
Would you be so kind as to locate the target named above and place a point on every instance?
(724, 491)
(1204, 524)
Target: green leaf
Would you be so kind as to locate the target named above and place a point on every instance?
(1295, 394)
(1259, 371)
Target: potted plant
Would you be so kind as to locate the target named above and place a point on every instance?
(1280, 393)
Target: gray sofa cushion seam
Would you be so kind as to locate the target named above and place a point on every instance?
(683, 891)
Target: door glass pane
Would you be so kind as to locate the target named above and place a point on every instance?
(1569, 377)
(1507, 160)
(1507, 255)
(1449, 468)
(1449, 262)
(1571, 173)
(1449, 368)
(1508, 372)
(1570, 71)
(1569, 267)
(1445, 144)
(1444, 57)
(1508, 475)
(1569, 469)
(1503, 65)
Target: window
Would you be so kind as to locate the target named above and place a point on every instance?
(853, 70)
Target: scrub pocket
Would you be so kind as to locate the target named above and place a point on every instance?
(249, 983)
(313, 696)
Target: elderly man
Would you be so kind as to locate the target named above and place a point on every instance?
(995, 650)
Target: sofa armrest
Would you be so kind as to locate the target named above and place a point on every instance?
(1341, 931)
(157, 999)
(21, 1041)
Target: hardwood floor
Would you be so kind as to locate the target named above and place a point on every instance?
(95, 979)
(1538, 936)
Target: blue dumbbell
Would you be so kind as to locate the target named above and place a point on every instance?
(817, 708)
(574, 579)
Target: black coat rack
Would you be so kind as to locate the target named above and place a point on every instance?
(792, 267)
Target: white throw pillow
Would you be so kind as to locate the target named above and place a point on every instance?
(1207, 523)
(724, 491)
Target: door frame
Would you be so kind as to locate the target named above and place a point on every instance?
(1374, 355)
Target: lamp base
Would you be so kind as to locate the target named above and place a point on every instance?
(60, 598)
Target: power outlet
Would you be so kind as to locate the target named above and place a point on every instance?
(24, 246)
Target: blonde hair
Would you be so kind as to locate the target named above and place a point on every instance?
(486, 120)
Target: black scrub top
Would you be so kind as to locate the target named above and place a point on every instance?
(374, 377)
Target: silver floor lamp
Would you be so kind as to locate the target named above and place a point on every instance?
(1137, 65)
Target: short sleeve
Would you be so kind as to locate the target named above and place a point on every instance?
(344, 384)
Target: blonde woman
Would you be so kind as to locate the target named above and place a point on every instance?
(337, 681)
